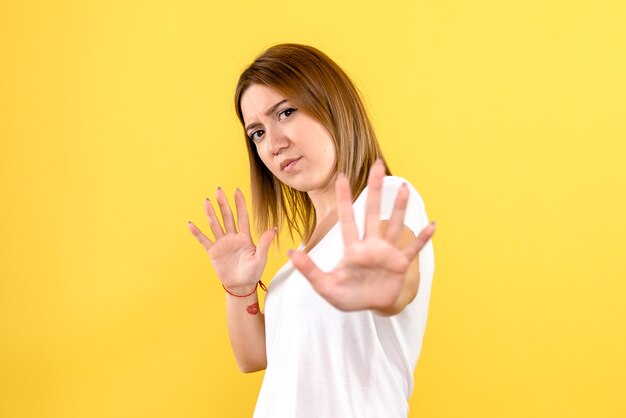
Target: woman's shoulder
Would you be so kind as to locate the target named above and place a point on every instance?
(393, 183)
(395, 180)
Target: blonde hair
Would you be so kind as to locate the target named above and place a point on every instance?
(320, 88)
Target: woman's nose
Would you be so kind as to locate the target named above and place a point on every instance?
(276, 140)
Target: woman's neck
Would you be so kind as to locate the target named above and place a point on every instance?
(324, 205)
(324, 201)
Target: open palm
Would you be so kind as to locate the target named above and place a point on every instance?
(237, 262)
(372, 273)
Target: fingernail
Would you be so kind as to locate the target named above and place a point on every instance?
(188, 222)
(433, 223)
(289, 252)
(207, 199)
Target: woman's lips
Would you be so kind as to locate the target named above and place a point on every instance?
(289, 167)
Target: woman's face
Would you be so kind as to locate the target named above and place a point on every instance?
(295, 147)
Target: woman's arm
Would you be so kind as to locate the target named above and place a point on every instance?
(246, 329)
(239, 265)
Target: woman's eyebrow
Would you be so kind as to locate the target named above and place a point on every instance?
(267, 113)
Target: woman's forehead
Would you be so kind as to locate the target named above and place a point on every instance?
(258, 93)
(258, 99)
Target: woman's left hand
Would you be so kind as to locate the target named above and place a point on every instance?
(373, 270)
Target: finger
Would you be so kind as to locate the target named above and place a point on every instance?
(227, 214)
(345, 213)
(214, 223)
(397, 216)
(372, 207)
(309, 270)
(242, 213)
(416, 245)
(202, 239)
(265, 240)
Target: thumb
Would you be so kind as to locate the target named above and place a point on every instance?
(265, 240)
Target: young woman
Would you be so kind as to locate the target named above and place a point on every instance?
(344, 318)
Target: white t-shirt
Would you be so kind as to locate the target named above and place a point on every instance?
(323, 362)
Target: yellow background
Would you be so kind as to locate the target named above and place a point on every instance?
(116, 120)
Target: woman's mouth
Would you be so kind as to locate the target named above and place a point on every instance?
(289, 167)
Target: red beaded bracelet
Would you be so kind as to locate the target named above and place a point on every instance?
(259, 283)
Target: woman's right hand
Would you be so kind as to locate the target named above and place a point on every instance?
(238, 263)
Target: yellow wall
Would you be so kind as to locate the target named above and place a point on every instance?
(116, 121)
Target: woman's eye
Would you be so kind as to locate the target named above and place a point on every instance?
(253, 136)
(287, 112)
